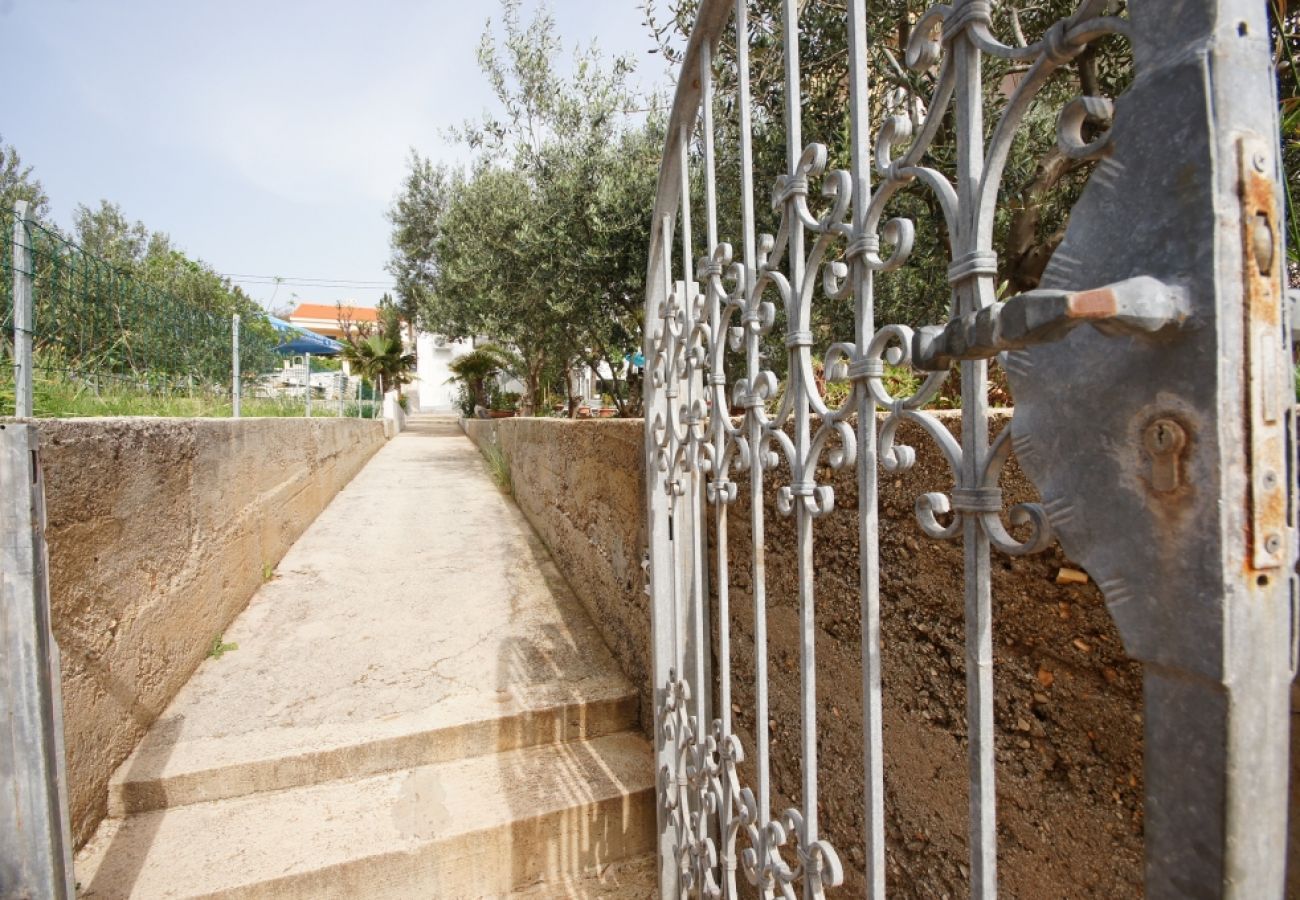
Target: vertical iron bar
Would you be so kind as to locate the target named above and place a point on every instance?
(710, 188)
(679, 516)
(972, 295)
(22, 310)
(796, 323)
(868, 486)
(697, 680)
(662, 569)
(306, 365)
(718, 425)
(753, 367)
(234, 364)
(671, 386)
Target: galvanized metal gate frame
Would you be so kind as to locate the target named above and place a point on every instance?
(1151, 372)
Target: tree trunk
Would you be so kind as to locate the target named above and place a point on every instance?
(620, 403)
(1026, 255)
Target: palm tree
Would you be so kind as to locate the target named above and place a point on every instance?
(477, 366)
(381, 360)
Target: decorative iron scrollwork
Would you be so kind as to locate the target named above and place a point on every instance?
(832, 238)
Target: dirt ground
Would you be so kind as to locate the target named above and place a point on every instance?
(1068, 702)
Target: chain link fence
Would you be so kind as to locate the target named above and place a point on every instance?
(106, 341)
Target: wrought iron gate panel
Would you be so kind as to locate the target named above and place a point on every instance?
(1192, 456)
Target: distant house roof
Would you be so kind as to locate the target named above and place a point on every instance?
(331, 313)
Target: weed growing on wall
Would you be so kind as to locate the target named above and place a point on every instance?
(499, 466)
(220, 648)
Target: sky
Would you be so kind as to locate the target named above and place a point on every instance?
(266, 138)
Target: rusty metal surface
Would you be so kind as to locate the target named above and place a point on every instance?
(1163, 460)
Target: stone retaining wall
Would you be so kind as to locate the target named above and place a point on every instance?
(159, 532)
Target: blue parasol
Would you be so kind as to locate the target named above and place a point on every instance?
(295, 339)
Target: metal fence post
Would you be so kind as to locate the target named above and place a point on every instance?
(234, 363)
(35, 843)
(338, 390)
(307, 378)
(22, 300)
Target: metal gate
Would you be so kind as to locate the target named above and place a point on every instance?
(1153, 413)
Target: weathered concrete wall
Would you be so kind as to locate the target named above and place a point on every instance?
(159, 532)
(580, 484)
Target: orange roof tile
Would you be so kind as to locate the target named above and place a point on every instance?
(330, 312)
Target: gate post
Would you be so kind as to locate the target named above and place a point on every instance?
(1167, 463)
(35, 843)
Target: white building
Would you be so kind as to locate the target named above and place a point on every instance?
(433, 388)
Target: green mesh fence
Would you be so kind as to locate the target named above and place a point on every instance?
(97, 328)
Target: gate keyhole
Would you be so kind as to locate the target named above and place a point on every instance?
(1164, 440)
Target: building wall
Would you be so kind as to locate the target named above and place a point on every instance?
(433, 392)
(159, 532)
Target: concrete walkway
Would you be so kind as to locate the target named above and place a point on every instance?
(418, 707)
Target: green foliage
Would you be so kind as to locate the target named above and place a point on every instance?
(542, 246)
(18, 183)
(61, 393)
(124, 321)
(220, 648)
(465, 400)
(503, 401)
(144, 313)
(1284, 20)
(416, 217)
(1039, 187)
(391, 319)
(498, 464)
(477, 371)
(381, 360)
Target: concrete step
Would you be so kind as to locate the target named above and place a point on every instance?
(164, 773)
(417, 620)
(630, 879)
(477, 827)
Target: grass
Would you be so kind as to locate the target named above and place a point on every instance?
(64, 397)
(499, 467)
(220, 648)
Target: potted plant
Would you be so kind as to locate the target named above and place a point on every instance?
(505, 404)
(607, 408)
